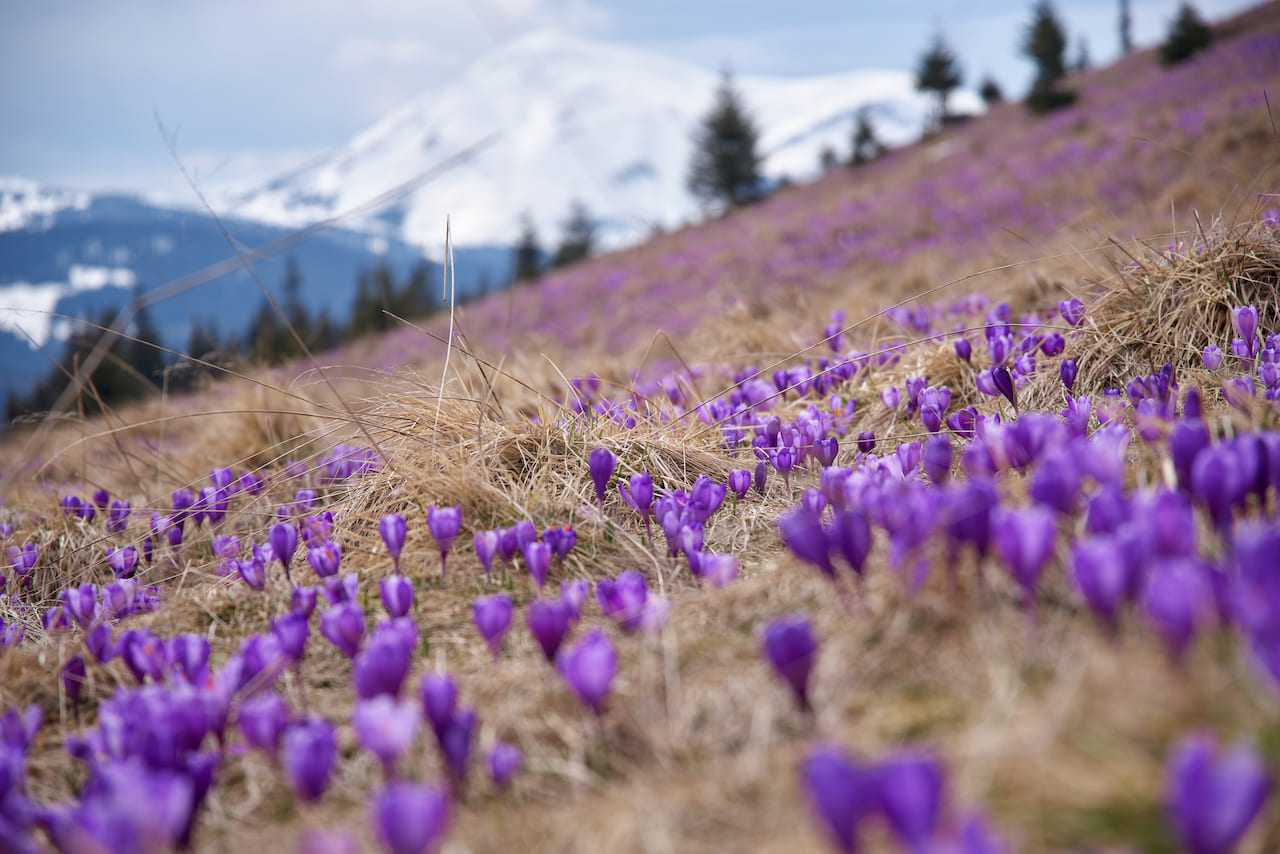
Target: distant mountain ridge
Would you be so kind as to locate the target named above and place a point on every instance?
(576, 120)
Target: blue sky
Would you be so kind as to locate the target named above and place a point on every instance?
(253, 87)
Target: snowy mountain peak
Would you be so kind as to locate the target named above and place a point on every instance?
(27, 204)
(575, 120)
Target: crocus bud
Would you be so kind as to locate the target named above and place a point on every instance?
(548, 623)
(486, 545)
(589, 668)
(310, 751)
(537, 557)
(385, 728)
(411, 819)
(492, 616)
(343, 626)
(1068, 370)
(841, 792)
(790, 647)
(1212, 799)
(439, 697)
(964, 349)
(601, 463)
(392, 528)
(1212, 357)
(503, 761)
(397, 595)
(444, 524)
(1245, 320)
(284, 542)
(910, 786)
(739, 483)
(1072, 311)
(262, 719)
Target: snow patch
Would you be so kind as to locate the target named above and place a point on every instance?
(25, 204)
(28, 308)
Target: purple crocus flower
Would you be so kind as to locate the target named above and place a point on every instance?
(1102, 574)
(455, 740)
(503, 761)
(392, 528)
(1178, 599)
(891, 397)
(292, 630)
(382, 665)
(841, 792)
(1053, 344)
(284, 542)
(866, 442)
(802, 532)
(964, 349)
(937, 458)
(73, 679)
(537, 557)
(338, 590)
(411, 819)
(252, 572)
(492, 616)
(310, 750)
(444, 524)
(385, 727)
(762, 477)
(573, 594)
(910, 785)
(548, 623)
(118, 517)
(439, 695)
(739, 483)
(934, 403)
(343, 625)
(1025, 540)
(1212, 799)
(189, 656)
(719, 569)
(622, 599)
(123, 562)
(601, 463)
(397, 595)
(1245, 320)
(1072, 311)
(98, 641)
(790, 647)
(1003, 382)
(1068, 371)
(1212, 357)
(324, 557)
(81, 603)
(262, 720)
(638, 494)
(303, 600)
(486, 543)
(850, 537)
(589, 667)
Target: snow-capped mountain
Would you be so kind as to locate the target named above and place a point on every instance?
(573, 120)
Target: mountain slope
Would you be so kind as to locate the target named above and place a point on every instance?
(575, 120)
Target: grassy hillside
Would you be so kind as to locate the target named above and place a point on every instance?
(1038, 564)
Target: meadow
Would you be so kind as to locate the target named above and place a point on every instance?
(930, 506)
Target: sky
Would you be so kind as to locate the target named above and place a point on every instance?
(94, 93)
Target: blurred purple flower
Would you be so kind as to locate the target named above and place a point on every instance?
(397, 595)
(392, 528)
(486, 545)
(1025, 540)
(439, 695)
(411, 819)
(284, 542)
(1212, 799)
(790, 647)
(382, 664)
(343, 625)
(492, 616)
(910, 785)
(549, 624)
(503, 761)
(590, 667)
(601, 463)
(444, 524)
(1072, 311)
(841, 792)
(537, 558)
(262, 720)
(385, 727)
(310, 751)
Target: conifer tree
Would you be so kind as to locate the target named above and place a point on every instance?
(1188, 35)
(725, 171)
(579, 237)
(939, 73)
(1045, 43)
(990, 91)
(866, 147)
(1126, 27)
(527, 263)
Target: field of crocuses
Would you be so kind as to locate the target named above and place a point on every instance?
(994, 569)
